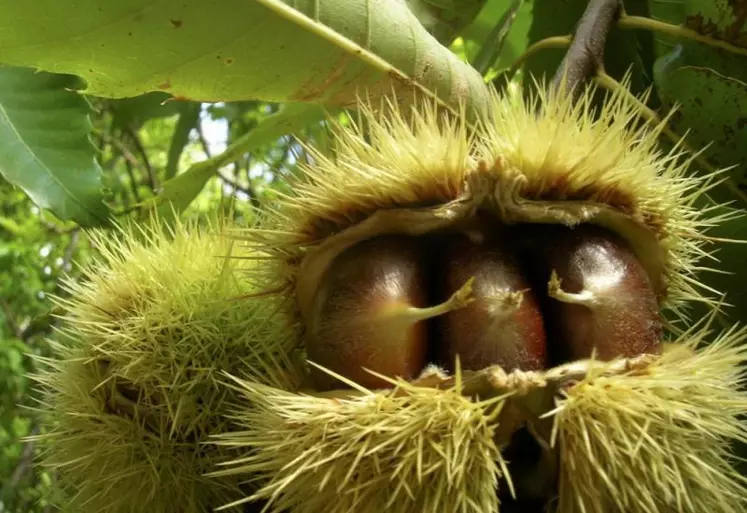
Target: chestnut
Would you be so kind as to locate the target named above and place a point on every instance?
(369, 313)
(599, 297)
(503, 325)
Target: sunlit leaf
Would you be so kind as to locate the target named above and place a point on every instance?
(325, 51)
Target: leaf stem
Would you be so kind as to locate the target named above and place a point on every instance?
(641, 22)
(133, 180)
(135, 138)
(543, 44)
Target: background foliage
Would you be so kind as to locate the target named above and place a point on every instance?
(194, 106)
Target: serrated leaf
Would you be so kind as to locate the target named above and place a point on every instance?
(181, 190)
(45, 147)
(325, 51)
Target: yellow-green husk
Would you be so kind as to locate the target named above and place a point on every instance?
(134, 391)
(650, 434)
(548, 160)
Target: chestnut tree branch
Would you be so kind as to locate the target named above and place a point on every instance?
(135, 139)
(585, 56)
(24, 463)
(133, 181)
(203, 140)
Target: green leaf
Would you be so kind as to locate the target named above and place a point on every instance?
(179, 192)
(444, 19)
(493, 44)
(325, 51)
(709, 88)
(516, 40)
(189, 116)
(725, 20)
(712, 107)
(133, 112)
(668, 11)
(45, 147)
(719, 69)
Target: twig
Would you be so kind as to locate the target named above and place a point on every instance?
(144, 156)
(69, 249)
(123, 150)
(599, 16)
(248, 191)
(133, 182)
(585, 56)
(125, 198)
(248, 163)
(24, 463)
(203, 141)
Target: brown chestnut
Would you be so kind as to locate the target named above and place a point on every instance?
(503, 326)
(599, 295)
(368, 314)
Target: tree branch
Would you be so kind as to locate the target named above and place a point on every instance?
(24, 463)
(249, 191)
(67, 257)
(585, 57)
(203, 141)
(126, 153)
(133, 182)
(144, 156)
(248, 164)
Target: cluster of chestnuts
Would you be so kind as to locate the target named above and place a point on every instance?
(525, 297)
